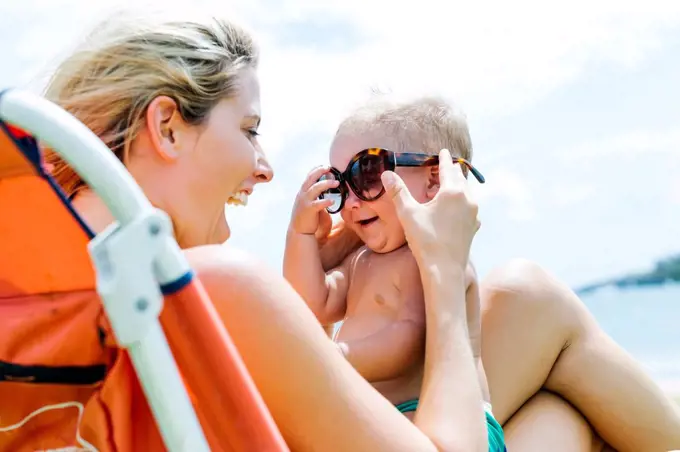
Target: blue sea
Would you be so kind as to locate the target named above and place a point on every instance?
(646, 322)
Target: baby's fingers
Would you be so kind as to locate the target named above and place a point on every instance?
(313, 176)
(321, 186)
(321, 204)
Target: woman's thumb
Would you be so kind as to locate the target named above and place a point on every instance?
(397, 191)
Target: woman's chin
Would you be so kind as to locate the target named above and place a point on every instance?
(222, 232)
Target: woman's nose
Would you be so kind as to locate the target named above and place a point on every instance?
(263, 170)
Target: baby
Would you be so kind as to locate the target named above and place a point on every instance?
(376, 291)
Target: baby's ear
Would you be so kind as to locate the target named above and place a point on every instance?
(432, 181)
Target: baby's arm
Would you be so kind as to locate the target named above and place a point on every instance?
(390, 352)
(325, 294)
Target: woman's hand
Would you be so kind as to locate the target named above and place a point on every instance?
(440, 231)
(440, 234)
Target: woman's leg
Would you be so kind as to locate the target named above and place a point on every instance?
(536, 333)
(548, 423)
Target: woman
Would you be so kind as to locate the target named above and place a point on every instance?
(178, 103)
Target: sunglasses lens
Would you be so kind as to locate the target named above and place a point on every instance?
(365, 175)
(334, 194)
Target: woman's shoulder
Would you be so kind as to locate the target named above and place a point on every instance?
(225, 265)
(242, 286)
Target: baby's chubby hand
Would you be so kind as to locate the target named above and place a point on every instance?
(309, 212)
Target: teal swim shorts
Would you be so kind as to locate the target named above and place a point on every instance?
(495, 431)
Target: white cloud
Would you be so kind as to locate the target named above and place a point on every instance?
(511, 191)
(569, 194)
(632, 144)
(651, 156)
(674, 192)
(495, 58)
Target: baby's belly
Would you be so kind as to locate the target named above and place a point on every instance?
(403, 388)
(360, 326)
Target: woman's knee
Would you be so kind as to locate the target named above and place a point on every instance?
(525, 290)
(548, 422)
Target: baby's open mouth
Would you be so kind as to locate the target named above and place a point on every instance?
(367, 221)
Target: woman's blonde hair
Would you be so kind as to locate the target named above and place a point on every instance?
(110, 81)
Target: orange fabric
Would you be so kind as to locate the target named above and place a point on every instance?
(63, 330)
(189, 318)
(38, 236)
(41, 329)
(52, 316)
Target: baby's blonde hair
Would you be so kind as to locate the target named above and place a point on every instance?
(109, 82)
(424, 124)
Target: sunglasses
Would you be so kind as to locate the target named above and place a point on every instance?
(362, 175)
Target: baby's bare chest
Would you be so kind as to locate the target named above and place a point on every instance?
(375, 284)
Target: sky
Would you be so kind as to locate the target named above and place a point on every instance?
(574, 110)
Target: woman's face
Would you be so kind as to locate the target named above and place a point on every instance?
(201, 168)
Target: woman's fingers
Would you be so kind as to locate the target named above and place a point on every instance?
(451, 177)
(398, 193)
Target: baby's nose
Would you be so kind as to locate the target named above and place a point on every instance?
(352, 201)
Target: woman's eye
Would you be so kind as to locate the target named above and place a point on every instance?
(253, 133)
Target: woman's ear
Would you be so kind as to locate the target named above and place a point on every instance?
(432, 181)
(164, 124)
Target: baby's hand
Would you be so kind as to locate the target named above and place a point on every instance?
(309, 212)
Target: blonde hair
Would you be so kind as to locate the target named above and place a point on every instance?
(424, 124)
(110, 81)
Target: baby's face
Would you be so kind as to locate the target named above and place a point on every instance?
(376, 222)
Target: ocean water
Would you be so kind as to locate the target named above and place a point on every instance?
(646, 322)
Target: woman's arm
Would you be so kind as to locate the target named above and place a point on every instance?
(474, 322)
(317, 399)
(450, 409)
(440, 234)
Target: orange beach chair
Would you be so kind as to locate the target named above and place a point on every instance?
(109, 342)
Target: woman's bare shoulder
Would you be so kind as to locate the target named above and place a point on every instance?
(241, 284)
(228, 263)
